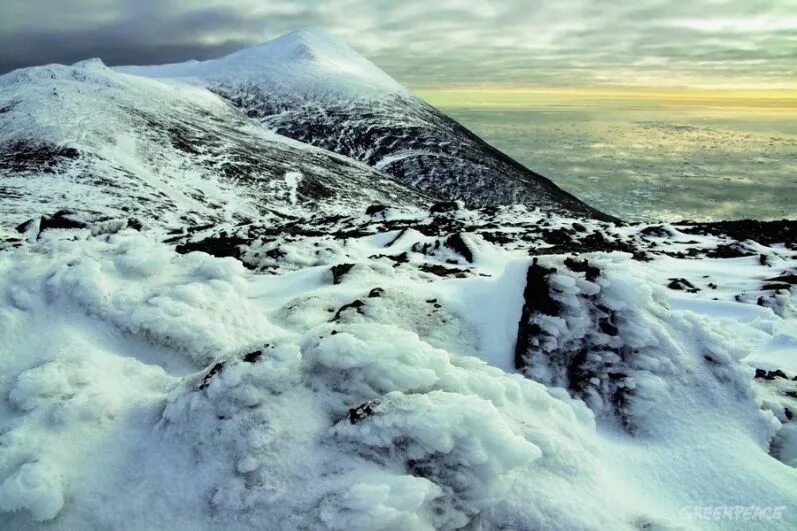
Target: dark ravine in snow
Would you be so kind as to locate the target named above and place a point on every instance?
(207, 325)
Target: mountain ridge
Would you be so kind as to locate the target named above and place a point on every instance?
(376, 122)
(170, 148)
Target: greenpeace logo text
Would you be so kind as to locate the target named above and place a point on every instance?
(733, 512)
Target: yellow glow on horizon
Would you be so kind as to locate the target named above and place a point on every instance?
(760, 99)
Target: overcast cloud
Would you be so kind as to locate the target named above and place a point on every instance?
(429, 43)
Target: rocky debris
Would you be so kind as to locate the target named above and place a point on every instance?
(376, 292)
(496, 237)
(731, 250)
(785, 278)
(253, 357)
(313, 189)
(442, 271)
(399, 259)
(590, 367)
(775, 287)
(681, 284)
(764, 232)
(375, 209)
(779, 396)
(436, 305)
(443, 245)
(563, 242)
(560, 236)
(356, 305)
(276, 253)
(214, 370)
(339, 271)
(573, 334)
(220, 246)
(8, 107)
(361, 412)
(458, 245)
(23, 156)
(656, 231)
(771, 375)
(444, 206)
(63, 219)
(578, 227)
(591, 273)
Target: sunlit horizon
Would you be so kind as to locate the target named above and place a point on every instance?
(519, 97)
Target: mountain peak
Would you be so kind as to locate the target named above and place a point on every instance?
(303, 60)
(312, 39)
(304, 46)
(92, 63)
(298, 45)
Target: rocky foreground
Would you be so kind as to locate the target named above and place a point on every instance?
(414, 368)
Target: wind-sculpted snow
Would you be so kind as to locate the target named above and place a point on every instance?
(311, 88)
(357, 371)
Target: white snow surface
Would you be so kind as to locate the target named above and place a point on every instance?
(307, 62)
(146, 389)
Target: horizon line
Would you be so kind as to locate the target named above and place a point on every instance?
(498, 96)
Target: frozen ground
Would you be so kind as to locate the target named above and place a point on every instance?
(395, 369)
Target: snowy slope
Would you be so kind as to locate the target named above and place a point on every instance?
(307, 86)
(89, 139)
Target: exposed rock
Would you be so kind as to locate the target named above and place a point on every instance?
(681, 284)
(458, 245)
(339, 271)
(537, 299)
(214, 370)
(362, 412)
(221, 246)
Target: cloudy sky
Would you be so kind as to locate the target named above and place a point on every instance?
(438, 43)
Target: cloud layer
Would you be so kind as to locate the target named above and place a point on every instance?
(717, 43)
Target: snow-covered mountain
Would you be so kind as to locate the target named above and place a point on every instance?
(307, 86)
(299, 66)
(207, 325)
(86, 138)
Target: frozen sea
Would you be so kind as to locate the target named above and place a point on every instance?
(643, 163)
